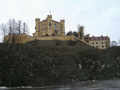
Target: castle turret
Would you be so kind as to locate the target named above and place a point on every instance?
(37, 27)
(62, 27)
(49, 17)
(81, 32)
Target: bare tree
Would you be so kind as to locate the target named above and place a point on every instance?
(12, 29)
(19, 27)
(114, 43)
(11, 25)
(4, 29)
(25, 28)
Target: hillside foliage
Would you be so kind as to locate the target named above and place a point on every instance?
(34, 65)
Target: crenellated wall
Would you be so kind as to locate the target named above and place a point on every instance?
(49, 27)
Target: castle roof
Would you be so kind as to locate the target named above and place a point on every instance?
(99, 38)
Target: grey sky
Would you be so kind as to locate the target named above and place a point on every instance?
(98, 16)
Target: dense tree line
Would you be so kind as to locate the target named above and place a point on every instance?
(33, 65)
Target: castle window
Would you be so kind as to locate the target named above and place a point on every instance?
(102, 42)
(50, 24)
(55, 29)
(55, 26)
(53, 34)
(46, 35)
(102, 46)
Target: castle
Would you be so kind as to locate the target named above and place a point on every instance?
(50, 29)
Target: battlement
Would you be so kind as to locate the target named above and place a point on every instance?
(49, 27)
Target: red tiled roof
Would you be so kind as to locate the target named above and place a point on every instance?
(99, 38)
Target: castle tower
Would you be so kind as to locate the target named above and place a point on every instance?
(81, 32)
(49, 17)
(37, 22)
(49, 25)
(37, 27)
(62, 27)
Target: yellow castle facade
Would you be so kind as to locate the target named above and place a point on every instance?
(100, 42)
(50, 29)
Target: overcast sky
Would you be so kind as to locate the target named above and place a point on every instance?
(99, 17)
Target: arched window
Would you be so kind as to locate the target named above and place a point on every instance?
(46, 35)
(53, 34)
